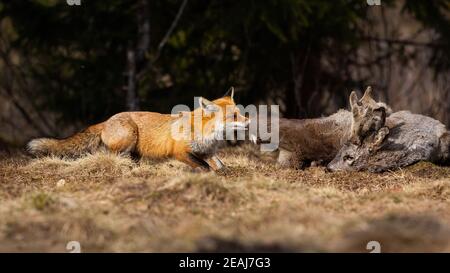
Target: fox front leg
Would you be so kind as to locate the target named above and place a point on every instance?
(195, 162)
(215, 163)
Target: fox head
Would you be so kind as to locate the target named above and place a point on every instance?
(218, 118)
(368, 115)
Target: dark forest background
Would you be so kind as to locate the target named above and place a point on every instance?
(63, 67)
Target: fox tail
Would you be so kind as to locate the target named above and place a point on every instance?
(83, 142)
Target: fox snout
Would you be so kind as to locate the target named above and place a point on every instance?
(238, 125)
(239, 122)
(246, 123)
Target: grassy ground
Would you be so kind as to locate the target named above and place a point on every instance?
(112, 203)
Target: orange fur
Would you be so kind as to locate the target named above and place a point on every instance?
(149, 134)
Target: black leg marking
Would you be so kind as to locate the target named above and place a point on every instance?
(199, 161)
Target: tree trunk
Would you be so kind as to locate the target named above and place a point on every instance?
(143, 44)
(306, 74)
(136, 55)
(132, 98)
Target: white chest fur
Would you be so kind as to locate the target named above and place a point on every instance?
(206, 146)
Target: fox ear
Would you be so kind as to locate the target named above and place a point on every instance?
(207, 106)
(354, 103)
(230, 93)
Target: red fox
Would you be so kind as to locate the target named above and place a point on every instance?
(149, 134)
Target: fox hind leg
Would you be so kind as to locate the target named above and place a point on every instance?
(120, 135)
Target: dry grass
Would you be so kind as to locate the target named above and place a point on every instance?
(112, 203)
